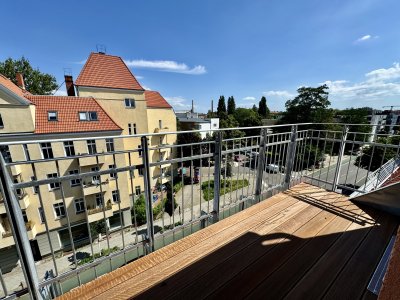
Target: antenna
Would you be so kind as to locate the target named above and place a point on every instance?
(101, 48)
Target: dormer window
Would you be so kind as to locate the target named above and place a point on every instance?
(52, 115)
(129, 103)
(88, 116)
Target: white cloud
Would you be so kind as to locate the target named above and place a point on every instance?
(146, 87)
(139, 77)
(167, 66)
(379, 84)
(366, 38)
(249, 98)
(279, 94)
(179, 102)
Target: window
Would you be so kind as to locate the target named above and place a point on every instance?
(140, 150)
(91, 144)
(113, 175)
(1, 122)
(160, 124)
(41, 214)
(77, 181)
(110, 145)
(59, 210)
(95, 178)
(79, 205)
(129, 103)
(88, 116)
(53, 185)
(24, 216)
(138, 191)
(36, 187)
(20, 192)
(52, 116)
(69, 148)
(47, 151)
(140, 171)
(99, 200)
(134, 128)
(26, 152)
(5, 151)
(130, 129)
(115, 196)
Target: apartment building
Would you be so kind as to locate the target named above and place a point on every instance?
(105, 101)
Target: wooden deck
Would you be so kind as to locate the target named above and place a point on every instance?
(306, 243)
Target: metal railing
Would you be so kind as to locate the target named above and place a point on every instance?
(85, 230)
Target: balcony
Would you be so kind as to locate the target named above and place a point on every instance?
(94, 188)
(96, 214)
(7, 239)
(91, 160)
(31, 229)
(269, 214)
(24, 200)
(305, 243)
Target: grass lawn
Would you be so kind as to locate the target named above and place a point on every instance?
(227, 185)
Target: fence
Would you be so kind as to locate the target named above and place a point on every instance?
(96, 203)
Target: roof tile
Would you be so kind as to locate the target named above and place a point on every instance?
(155, 100)
(108, 71)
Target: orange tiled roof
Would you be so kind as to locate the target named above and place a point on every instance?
(102, 70)
(154, 99)
(13, 87)
(67, 112)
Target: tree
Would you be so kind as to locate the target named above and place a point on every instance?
(262, 108)
(139, 210)
(231, 105)
(170, 203)
(374, 157)
(36, 82)
(310, 105)
(230, 122)
(246, 117)
(255, 108)
(221, 109)
(97, 227)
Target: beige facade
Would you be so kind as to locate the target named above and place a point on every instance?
(81, 199)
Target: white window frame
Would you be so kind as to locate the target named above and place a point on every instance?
(77, 181)
(140, 171)
(57, 207)
(52, 115)
(46, 148)
(81, 203)
(95, 178)
(130, 103)
(56, 185)
(136, 190)
(134, 128)
(91, 144)
(69, 148)
(88, 116)
(110, 145)
(99, 199)
(115, 196)
(42, 216)
(113, 175)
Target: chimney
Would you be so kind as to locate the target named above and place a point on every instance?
(192, 106)
(69, 84)
(20, 80)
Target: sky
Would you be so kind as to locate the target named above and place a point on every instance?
(198, 50)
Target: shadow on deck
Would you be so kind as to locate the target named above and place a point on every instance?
(305, 243)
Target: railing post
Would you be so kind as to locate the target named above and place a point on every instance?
(261, 164)
(217, 175)
(148, 194)
(290, 157)
(19, 232)
(340, 157)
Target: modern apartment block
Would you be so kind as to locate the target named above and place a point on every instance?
(106, 101)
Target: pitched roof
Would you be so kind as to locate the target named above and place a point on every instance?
(108, 71)
(155, 100)
(13, 87)
(68, 109)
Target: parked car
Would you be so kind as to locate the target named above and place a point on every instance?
(273, 168)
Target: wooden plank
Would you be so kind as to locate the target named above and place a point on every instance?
(256, 272)
(231, 261)
(363, 263)
(110, 280)
(318, 279)
(168, 267)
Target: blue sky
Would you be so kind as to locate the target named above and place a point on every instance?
(203, 49)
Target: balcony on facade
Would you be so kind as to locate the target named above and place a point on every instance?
(91, 160)
(98, 213)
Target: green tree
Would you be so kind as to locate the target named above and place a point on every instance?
(36, 82)
(139, 210)
(255, 108)
(374, 157)
(263, 108)
(231, 105)
(170, 203)
(230, 122)
(97, 227)
(246, 117)
(221, 109)
(310, 105)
